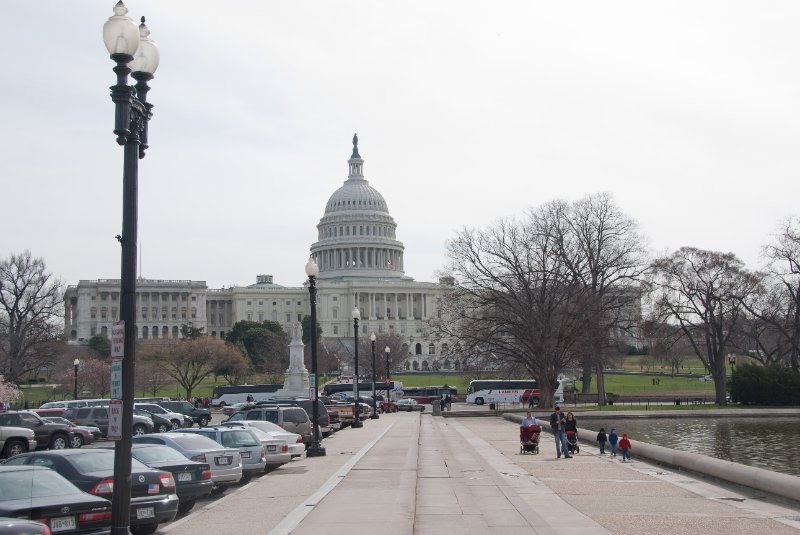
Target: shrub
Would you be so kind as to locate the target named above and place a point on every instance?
(771, 385)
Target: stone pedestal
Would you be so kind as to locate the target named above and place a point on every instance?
(296, 383)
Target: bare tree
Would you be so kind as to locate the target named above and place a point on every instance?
(189, 362)
(605, 253)
(702, 292)
(149, 377)
(31, 308)
(515, 298)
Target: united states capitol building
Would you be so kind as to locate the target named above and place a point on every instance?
(360, 264)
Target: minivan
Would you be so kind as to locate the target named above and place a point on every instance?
(324, 420)
(294, 419)
(98, 417)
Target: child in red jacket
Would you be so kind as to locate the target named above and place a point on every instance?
(625, 446)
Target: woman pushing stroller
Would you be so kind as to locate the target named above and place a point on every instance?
(571, 428)
(529, 431)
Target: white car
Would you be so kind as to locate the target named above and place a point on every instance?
(293, 441)
(408, 404)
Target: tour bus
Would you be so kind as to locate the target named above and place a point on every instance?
(365, 389)
(482, 391)
(230, 394)
(429, 394)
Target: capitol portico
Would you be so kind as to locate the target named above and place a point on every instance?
(361, 265)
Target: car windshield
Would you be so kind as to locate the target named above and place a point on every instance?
(99, 461)
(152, 454)
(56, 420)
(195, 442)
(239, 439)
(27, 484)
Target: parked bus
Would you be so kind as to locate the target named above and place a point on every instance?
(365, 389)
(428, 394)
(230, 394)
(482, 391)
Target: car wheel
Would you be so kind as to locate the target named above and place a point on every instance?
(59, 442)
(203, 421)
(144, 529)
(478, 401)
(14, 447)
(185, 506)
(176, 424)
(77, 441)
(162, 428)
(219, 490)
(139, 429)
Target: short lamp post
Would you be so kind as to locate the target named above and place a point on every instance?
(134, 53)
(374, 416)
(357, 413)
(315, 449)
(387, 350)
(732, 362)
(75, 364)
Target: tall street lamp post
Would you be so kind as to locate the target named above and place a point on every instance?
(75, 364)
(133, 53)
(387, 350)
(374, 388)
(315, 449)
(357, 413)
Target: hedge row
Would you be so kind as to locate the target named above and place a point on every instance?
(765, 385)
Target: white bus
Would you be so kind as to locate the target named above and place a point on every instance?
(482, 391)
(230, 394)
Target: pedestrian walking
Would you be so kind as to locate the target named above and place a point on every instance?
(529, 420)
(557, 424)
(601, 440)
(625, 447)
(612, 441)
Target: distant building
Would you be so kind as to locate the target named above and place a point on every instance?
(361, 265)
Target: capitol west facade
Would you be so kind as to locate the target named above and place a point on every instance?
(361, 265)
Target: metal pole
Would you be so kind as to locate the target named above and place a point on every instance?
(75, 395)
(374, 386)
(315, 449)
(357, 420)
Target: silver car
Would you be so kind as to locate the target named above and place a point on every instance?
(225, 463)
(252, 452)
(294, 442)
(277, 451)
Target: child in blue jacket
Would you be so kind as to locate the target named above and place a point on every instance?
(613, 438)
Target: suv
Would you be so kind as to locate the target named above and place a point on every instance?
(47, 434)
(323, 420)
(98, 417)
(200, 416)
(15, 440)
(294, 419)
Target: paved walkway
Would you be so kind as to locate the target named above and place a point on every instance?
(413, 473)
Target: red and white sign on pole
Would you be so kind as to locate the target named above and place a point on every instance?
(114, 419)
(118, 340)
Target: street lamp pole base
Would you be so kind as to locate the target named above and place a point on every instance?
(357, 424)
(374, 416)
(315, 450)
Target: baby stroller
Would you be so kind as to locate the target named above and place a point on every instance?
(529, 438)
(572, 442)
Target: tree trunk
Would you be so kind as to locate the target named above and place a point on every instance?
(586, 376)
(601, 386)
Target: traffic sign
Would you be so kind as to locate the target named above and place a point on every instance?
(114, 419)
(116, 379)
(118, 340)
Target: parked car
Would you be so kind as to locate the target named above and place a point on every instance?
(20, 526)
(98, 417)
(225, 463)
(40, 493)
(388, 406)
(276, 450)
(324, 420)
(192, 478)
(294, 442)
(252, 453)
(82, 434)
(48, 435)
(294, 419)
(161, 424)
(16, 440)
(178, 420)
(153, 498)
(408, 404)
(199, 415)
(227, 410)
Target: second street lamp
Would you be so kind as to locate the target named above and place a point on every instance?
(75, 364)
(315, 449)
(387, 350)
(356, 412)
(374, 388)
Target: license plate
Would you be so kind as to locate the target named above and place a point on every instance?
(272, 448)
(223, 461)
(62, 523)
(245, 455)
(185, 476)
(145, 512)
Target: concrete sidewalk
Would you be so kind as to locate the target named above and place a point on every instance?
(414, 473)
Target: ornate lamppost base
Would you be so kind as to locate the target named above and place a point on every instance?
(374, 416)
(315, 450)
(357, 423)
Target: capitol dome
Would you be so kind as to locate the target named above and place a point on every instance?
(356, 236)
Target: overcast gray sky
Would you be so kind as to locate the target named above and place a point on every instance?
(687, 112)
